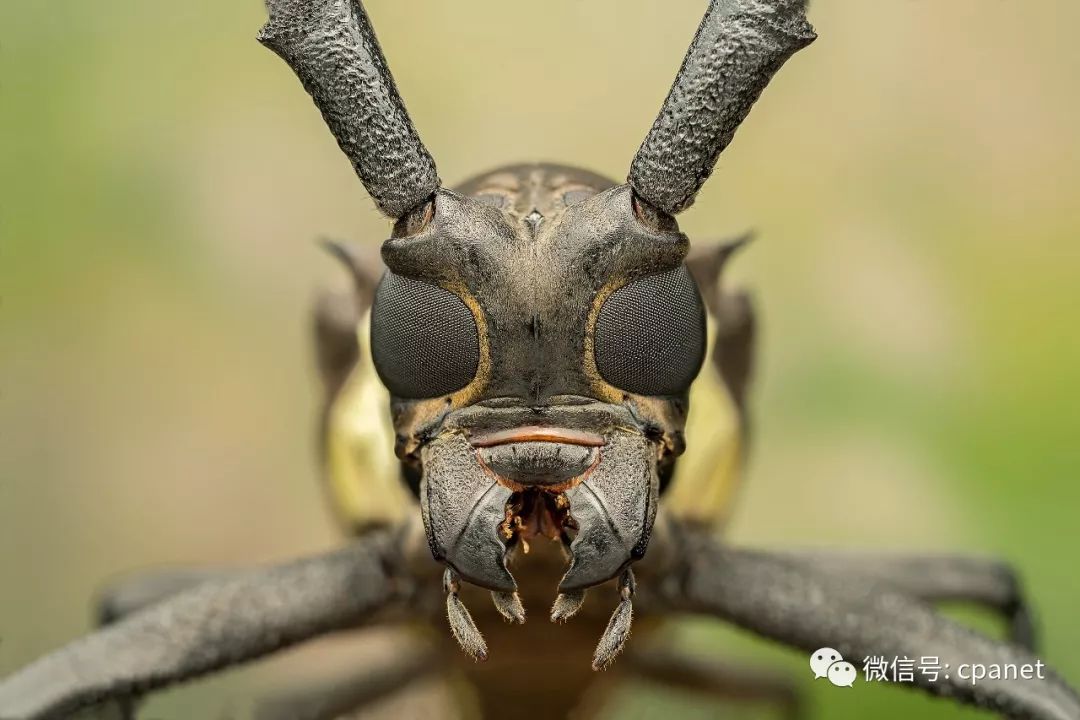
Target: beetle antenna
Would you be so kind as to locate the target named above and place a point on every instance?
(465, 631)
(332, 48)
(738, 47)
(618, 628)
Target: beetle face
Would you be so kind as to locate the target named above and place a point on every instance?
(538, 333)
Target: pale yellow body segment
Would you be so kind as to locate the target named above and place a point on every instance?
(363, 476)
(707, 475)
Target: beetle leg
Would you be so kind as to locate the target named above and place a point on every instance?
(807, 606)
(988, 582)
(724, 680)
(131, 594)
(327, 699)
(137, 592)
(462, 625)
(618, 628)
(212, 626)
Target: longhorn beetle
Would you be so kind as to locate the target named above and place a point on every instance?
(535, 336)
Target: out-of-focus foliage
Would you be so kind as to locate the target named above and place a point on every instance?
(913, 177)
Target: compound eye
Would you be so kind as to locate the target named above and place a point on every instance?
(649, 337)
(424, 339)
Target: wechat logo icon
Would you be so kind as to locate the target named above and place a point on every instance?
(828, 663)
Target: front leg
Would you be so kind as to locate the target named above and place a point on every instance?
(986, 582)
(803, 605)
(212, 626)
(129, 595)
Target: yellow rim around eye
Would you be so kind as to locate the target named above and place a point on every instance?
(604, 390)
(471, 392)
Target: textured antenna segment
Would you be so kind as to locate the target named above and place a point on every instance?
(738, 47)
(332, 48)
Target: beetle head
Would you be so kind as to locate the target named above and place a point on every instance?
(538, 338)
(538, 333)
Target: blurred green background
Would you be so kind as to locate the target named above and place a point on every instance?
(914, 178)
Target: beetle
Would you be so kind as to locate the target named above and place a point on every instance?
(508, 400)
